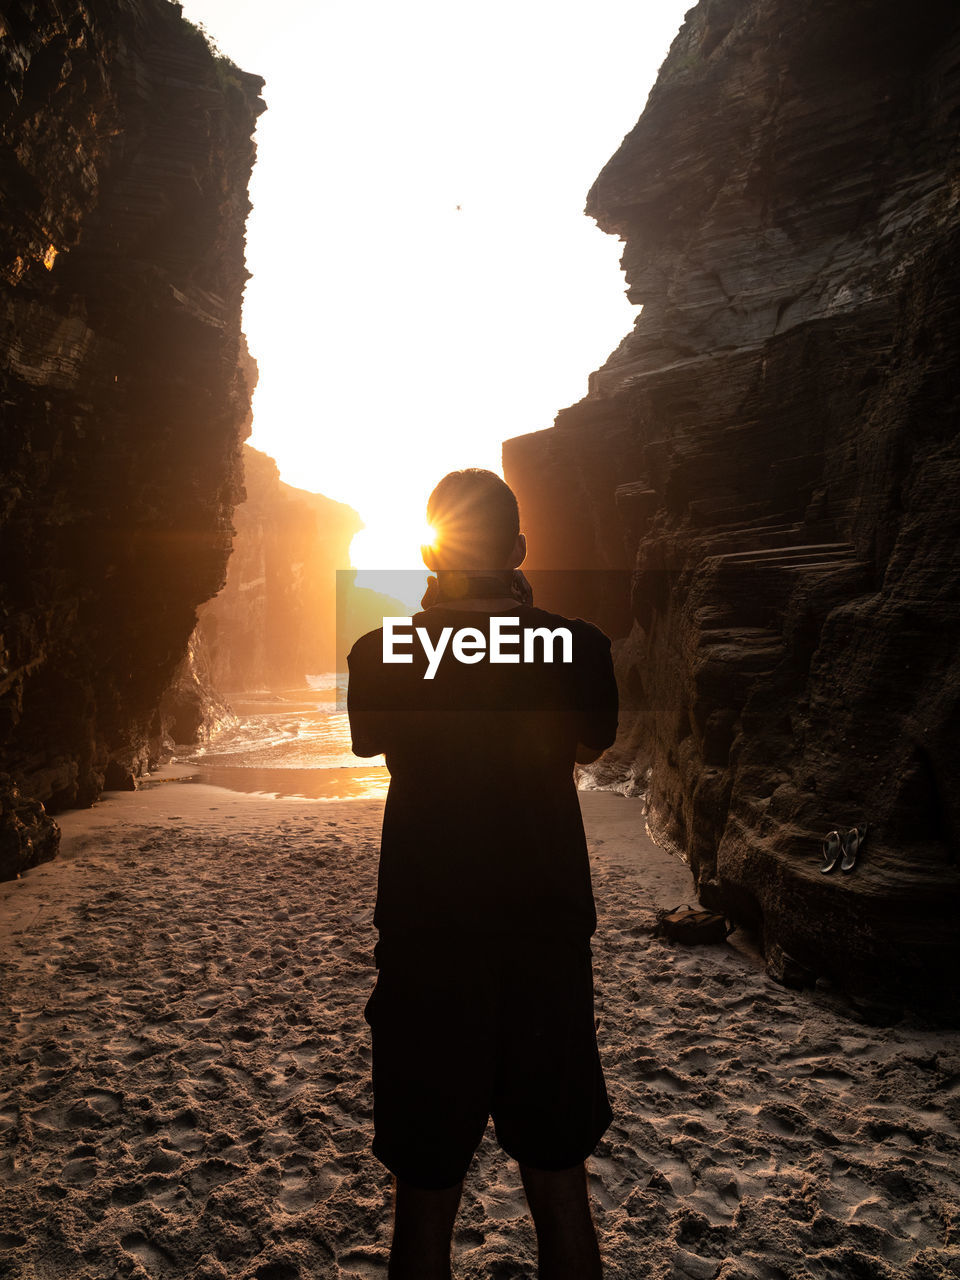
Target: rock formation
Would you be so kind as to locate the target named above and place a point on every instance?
(126, 154)
(773, 455)
(192, 708)
(274, 622)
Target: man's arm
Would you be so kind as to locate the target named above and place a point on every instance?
(597, 696)
(364, 739)
(365, 707)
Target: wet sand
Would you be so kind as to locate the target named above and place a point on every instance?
(184, 1072)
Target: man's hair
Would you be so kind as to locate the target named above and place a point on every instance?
(474, 514)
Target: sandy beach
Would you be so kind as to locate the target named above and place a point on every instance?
(184, 1071)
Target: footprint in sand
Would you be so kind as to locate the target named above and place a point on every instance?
(182, 1132)
(127, 1193)
(298, 1192)
(95, 1108)
(781, 1118)
(79, 1172)
(504, 1204)
(122, 1046)
(831, 1075)
(213, 1173)
(277, 1271)
(677, 1173)
(153, 1258)
(163, 1161)
(363, 1265)
(305, 1053)
(106, 1102)
(169, 978)
(166, 1193)
(208, 1051)
(53, 1056)
(697, 1060)
(721, 1189)
(661, 1078)
(209, 1084)
(245, 1033)
(598, 1178)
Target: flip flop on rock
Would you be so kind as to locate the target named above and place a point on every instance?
(851, 847)
(832, 848)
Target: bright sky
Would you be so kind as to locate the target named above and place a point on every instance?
(425, 283)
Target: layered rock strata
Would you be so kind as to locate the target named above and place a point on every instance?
(773, 454)
(126, 151)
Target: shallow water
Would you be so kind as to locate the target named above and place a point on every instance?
(290, 742)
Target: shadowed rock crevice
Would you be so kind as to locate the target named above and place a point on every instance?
(771, 459)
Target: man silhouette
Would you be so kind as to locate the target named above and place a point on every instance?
(483, 1003)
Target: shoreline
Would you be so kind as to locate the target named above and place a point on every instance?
(184, 1071)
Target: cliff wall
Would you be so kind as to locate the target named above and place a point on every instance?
(773, 455)
(274, 622)
(126, 151)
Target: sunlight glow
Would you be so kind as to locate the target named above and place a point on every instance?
(436, 158)
(393, 543)
(387, 555)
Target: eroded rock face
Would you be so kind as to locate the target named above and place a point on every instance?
(274, 622)
(773, 452)
(28, 834)
(126, 153)
(192, 708)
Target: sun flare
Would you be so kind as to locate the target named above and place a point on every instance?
(390, 544)
(387, 556)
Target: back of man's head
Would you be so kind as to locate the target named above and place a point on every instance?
(475, 519)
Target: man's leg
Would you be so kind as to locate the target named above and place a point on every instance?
(423, 1232)
(566, 1236)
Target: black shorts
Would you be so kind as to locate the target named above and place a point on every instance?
(463, 1030)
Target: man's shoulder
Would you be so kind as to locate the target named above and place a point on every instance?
(368, 646)
(533, 616)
